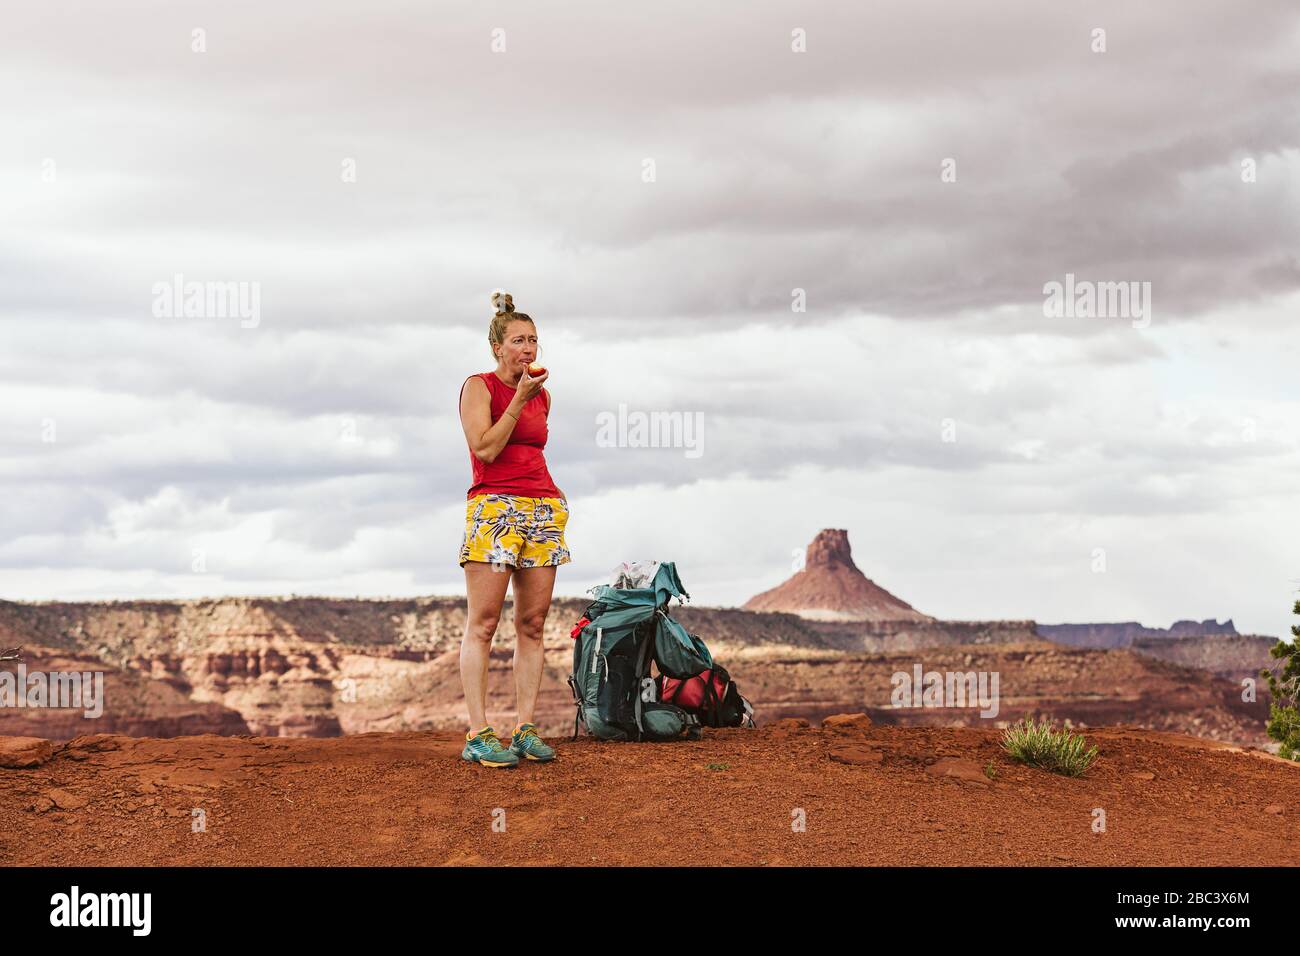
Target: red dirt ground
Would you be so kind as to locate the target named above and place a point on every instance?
(407, 798)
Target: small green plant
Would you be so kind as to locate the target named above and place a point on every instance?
(1284, 709)
(1038, 745)
(990, 771)
(717, 766)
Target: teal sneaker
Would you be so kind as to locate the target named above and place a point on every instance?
(526, 743)
(484, 747)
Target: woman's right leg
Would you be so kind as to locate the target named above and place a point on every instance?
(485, 587)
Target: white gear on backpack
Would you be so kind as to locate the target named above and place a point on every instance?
(631, 575)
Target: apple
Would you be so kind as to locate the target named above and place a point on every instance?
(534, 370)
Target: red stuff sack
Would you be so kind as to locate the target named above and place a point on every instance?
(711, 695)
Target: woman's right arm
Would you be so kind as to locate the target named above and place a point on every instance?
(485, 439)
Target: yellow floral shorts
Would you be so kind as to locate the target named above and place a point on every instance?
(515, 531)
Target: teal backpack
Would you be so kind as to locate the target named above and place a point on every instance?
(622, 631)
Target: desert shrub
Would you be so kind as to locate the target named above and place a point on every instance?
(1038, 745)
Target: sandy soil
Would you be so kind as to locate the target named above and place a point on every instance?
(870, 796)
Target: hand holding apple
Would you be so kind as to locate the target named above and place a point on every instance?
(530, 384)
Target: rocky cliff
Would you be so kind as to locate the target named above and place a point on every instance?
(1087, 687)
(319, 667)
(1235, 656)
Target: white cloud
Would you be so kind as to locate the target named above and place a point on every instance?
(321, 451)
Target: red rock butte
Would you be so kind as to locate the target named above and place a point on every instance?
(831, 588)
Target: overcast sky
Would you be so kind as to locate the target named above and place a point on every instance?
(652, 184)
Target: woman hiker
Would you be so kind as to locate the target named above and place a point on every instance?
(514, 530)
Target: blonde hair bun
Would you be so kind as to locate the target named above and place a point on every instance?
(502, 301)
(505, 315)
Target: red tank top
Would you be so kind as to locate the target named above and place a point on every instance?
(520, 468)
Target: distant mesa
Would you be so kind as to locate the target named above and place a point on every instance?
(831, 588)
(1125, 633)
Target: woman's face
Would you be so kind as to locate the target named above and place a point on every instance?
(519, 346)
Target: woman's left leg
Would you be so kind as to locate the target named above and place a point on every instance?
(532, 592)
